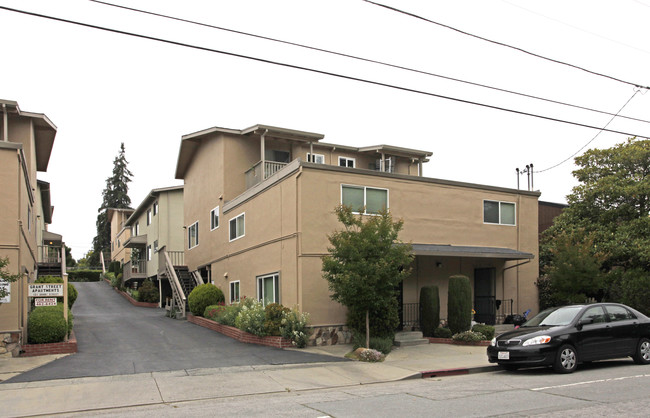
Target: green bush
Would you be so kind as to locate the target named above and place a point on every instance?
(459, 306)
(229, 314)
(47, 325)
(72, 291)
(72, 295)
(148, 292)
(294, 327)
(203, 296)
(84, 275)
(214, 311)
(115, 267)
(274, 313)
(429, 310)
(441, 332)
(468, 336)
(251, 317)
(486, 330)
(631, 287)
(383, 320)
(381, 344)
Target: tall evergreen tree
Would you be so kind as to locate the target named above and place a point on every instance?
(114, 195)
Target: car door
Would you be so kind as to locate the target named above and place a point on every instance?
(593, 335)
(624, 327)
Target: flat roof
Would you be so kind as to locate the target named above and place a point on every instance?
(443, 250)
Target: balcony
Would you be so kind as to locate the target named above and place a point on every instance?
(134, 270)
(254, 174)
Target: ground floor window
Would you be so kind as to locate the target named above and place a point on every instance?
(234, 291)
(268, 288)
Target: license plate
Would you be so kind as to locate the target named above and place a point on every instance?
(504, 355)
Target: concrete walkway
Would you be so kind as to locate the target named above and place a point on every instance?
(98, 393)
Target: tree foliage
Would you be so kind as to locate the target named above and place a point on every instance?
(366, 262)
(605, 231)
(6, 276)
(114, 195)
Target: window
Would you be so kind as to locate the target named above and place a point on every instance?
(277, 156)
(234, 292)
(268, 288)
(502, 213)
(594, 314)
(360, 197)
(136, 229)
(148, 252)
(214, 218)
(149, 217)
(155, 246)
(316, 158)
(618, 313)
(346, 162)
(119, 243)
(237, 229)
(193, 235)
(155, 208)
(29, 218)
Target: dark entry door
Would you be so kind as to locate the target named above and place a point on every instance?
(484, 295)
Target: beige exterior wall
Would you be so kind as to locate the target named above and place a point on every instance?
(119, 235)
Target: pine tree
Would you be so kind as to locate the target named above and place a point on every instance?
(114, 195)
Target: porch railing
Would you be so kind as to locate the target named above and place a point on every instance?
(177, 257)
(134, 269)
(254, 174)
(49, 254)
(410, 316)
(504, 308)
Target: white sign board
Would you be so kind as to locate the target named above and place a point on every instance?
(45, 289)
(7, 288)
(45, 301)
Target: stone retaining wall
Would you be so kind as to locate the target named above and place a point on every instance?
(331, 335)
(238, 334)
(31, 350)
(10, 344)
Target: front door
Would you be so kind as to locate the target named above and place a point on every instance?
(484, 295)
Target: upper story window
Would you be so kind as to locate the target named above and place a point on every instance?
(136, 229)
(193, 235)
(155, 246)
(346, 162)
(148, 252)
(155, 208)
(29, 218)
(360, 197)
(500, 213)
(149, 217)
(214, 218)
(277, 156)
(316, 158)
(237, 227)
(388, 167)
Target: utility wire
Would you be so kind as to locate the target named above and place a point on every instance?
(313, 70)
(361, 59)
(636, 91)
(506, 45)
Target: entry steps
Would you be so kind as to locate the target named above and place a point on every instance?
(408, 338)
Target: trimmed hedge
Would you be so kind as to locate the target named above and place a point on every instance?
(459, 306)
(486, 330)
(203, 296)
(429, 310)
(47, 325)
(148, 292)
(442, 333)
(84, 275)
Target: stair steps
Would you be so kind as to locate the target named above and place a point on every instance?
(409, 338)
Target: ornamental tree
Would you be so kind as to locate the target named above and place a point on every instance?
(366, 262)
(5, 276)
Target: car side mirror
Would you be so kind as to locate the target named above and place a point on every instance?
(583, 322)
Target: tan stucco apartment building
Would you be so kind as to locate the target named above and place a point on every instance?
(259, 204)
(119, 234)
(25, 211)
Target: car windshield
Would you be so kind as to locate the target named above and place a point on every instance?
(554, 317)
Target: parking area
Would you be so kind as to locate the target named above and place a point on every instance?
(117, 338)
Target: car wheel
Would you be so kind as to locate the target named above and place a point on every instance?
(566, 359)
(642, 353)
(510, 367)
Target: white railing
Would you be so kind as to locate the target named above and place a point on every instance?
(178, 296)
(49, 254)
(254, 174)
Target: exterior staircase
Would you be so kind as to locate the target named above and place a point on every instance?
(186, 280)
(49, 269)
(409, 338)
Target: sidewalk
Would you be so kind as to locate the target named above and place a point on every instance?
(85, 394)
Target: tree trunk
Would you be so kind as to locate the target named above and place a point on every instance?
(367, 328)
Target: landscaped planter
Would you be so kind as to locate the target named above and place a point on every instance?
(433, 340)
(238, 334)
(135, 302)
(31, 350)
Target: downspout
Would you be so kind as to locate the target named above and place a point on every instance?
(419, 167)
(311, 151)
(382, 164)
(5, 123)
(298, 242)
(263, 152)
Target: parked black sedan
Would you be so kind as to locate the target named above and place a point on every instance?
(565, 336)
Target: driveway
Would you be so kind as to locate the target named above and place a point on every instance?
(117, 338)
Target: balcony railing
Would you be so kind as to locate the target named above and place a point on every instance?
(49, 254)
(134, 270)
(254, 174)
(410, 316)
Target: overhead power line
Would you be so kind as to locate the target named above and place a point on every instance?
(313, 70)
(400, 67)
(394, 9)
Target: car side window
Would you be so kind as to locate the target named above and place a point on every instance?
(618, 313)
(594, 313)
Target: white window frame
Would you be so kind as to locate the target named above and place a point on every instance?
(243, 214)
(317, 158)
(148, 252)
(136, 229)
(155, 208)
(348, 159)
(149, 217)
(365, 188)
(500, 202)
(212, 217)
(189, 236)
(155, 246)
(276, 287)
(234, 299)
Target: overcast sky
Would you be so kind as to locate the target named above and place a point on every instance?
(101, 88)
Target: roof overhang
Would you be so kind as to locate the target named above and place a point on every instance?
(148, 201)
(469, 251)
(398, 152)
(137, 241)
(44, 188)
(50, 238)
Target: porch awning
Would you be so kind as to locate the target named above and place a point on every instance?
(466, 251)
(50, 238)
(137, 241)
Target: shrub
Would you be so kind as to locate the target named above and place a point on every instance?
(429, 310)
(486, 330)
(84, 275)
(294, 327)
(72, 291)
(47, 325)
(442, 332)
(115, 267)
(459, 304)
(382, 344)
(383, 320)
(631, 287)
(72, 295)
(214, 311)
(148, 292)
(251, 317)
(371, 356)
(468, 336)
(274, 313)
(203, 296)
(229, 314)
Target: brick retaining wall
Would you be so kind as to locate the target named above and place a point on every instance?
(31, 350)
(135, 302)
(238, 334)
(433, 340)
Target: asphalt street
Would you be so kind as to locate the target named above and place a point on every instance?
(117, 338)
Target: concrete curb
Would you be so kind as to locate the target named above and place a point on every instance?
(457, 371)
